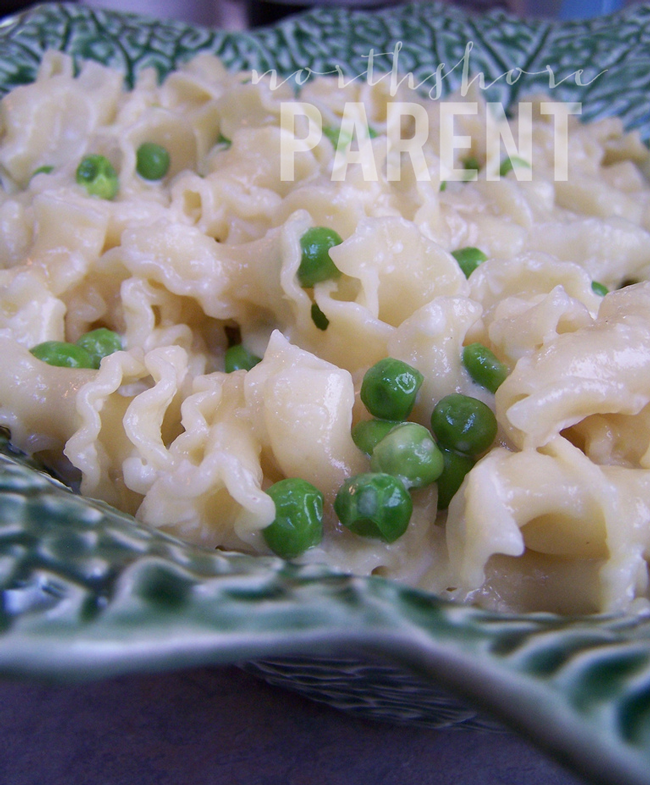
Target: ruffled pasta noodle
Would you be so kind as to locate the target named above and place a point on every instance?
(555, 516)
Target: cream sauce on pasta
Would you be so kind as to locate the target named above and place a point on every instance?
(556, 516)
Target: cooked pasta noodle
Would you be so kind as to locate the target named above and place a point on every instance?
(555, 516)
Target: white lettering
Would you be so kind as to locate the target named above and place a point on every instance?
(411, 146)
(560, 111)
(449, 141)
(290, 112)
(354, 124)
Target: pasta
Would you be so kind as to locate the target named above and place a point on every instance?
(554, 516)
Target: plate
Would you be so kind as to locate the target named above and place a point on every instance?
(89, 593)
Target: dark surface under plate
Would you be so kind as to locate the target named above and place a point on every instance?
(221, 725)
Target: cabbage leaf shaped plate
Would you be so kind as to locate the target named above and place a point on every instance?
(87, 592)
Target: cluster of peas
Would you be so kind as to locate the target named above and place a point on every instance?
(404, 455)
(87, 352)
(98, 176)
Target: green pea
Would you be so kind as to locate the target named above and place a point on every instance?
(43, 170)
(511, 163)
(471, 166)
(469, 259)
(298, 523)
(318, 317)
(96, 174)
(374, 505)
(368, 433)
(389, 389)
(62, 354)
(238, 358)
(409, 453)
(443, 186)
(464, 424)
(152, 161)
(599, 288)
(484, 368)
(335, 137)
(456, 466)
(316, 264)
(332, 134)
(100, 343)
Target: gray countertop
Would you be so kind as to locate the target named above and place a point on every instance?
(221, 725)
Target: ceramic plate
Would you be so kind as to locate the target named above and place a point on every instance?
(88, 593)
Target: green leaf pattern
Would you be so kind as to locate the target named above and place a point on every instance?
(430, 35)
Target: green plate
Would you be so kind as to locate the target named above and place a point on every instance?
(87, 592)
